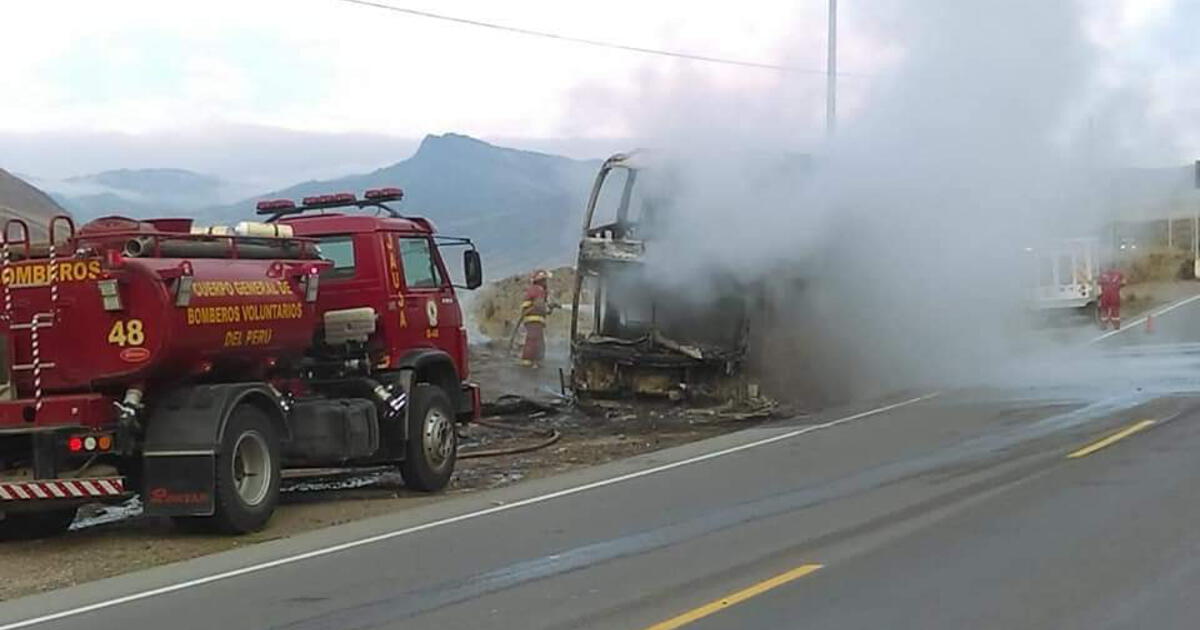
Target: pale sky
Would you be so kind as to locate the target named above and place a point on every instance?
(180, 71)
(322, 65)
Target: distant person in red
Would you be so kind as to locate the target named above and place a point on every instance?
(534, 310)
(1111, 282)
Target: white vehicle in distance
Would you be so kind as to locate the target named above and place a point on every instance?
(1066, 273)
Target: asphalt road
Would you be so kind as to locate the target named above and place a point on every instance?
(958, 510)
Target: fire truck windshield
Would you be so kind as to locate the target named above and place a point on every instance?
(420, 270)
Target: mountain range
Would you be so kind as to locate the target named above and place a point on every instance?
(521, 207)
(140, 192)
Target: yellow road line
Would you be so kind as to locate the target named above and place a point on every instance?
(735, 598)
(1108, 441)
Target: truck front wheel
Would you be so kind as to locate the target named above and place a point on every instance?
(248, 475)
(432, 446)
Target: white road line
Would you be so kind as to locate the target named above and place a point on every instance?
(316, 553)
(1137, 322)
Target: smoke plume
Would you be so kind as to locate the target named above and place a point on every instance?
(892, 255)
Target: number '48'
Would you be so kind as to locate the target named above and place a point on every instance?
(127, 333)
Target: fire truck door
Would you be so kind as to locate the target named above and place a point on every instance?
(429, 304)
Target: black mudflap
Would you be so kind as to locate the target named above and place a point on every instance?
(179, 484)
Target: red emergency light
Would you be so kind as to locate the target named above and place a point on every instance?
(276, 204)
(327, 200)
(384, 194)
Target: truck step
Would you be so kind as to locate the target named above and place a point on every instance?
(305, 473)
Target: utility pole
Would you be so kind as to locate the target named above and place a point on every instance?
(1196, 226)
(831, 74)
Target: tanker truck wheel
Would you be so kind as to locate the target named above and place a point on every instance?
(248, 475)
(432, 444)
(31, 525)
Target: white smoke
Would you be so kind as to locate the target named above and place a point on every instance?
(898, 258)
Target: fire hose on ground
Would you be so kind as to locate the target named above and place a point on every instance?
(548, 437)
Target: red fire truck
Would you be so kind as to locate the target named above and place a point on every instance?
(197, 367)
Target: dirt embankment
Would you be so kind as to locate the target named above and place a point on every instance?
(496, 308)
(1156, 278)
(1158, 265)
(20, 200)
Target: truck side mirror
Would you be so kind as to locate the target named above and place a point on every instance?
(473, 268)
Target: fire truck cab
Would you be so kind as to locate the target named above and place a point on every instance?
(393, 266)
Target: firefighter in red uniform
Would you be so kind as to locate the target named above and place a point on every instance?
(1111, 282)
(534, 309)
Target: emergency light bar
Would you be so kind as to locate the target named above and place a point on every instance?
(376, 197)
(384, 194)
(276, 204)
(319, 201)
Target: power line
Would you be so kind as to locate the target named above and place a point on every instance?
(580, 40)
